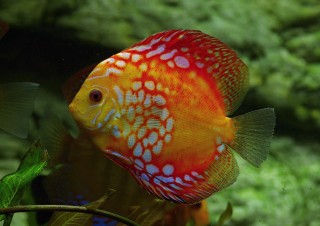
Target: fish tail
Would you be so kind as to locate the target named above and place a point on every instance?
(254, 131)
(16, 106)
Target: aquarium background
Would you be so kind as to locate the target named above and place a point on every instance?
(49, 41)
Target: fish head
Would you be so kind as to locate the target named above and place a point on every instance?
(93, 108)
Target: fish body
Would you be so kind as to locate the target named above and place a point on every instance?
(159, 109)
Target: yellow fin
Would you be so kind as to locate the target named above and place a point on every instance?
(254, 131)
(16, 105)
(222, 172)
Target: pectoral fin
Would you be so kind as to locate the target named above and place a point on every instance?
(16, 105)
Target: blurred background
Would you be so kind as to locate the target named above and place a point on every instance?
(49, 41)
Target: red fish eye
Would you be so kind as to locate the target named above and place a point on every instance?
(95, 95)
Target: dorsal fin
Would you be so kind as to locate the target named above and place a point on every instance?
(207, 55)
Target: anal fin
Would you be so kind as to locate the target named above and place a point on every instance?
(223, 171)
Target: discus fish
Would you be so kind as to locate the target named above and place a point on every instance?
(160, 110)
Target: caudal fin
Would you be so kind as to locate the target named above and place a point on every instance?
(254, 131)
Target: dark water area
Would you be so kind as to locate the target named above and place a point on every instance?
(45, 58)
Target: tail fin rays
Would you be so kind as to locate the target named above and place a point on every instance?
(254, 131)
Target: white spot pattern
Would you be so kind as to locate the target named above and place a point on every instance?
(119, 94)
(164, 113)
(147, 156)
(111, 70)
(152, 169)
(136, 85)
(136, 58)
(168, 169)
(131, 140)
(221, 148)
(167, 138)
(147, 101)
(120, 63)
(145, 177)
(138, 122)
(124, 55)
(159, 100)
(169, 124)
(153, 123)
(170, 64)
(116, 132)
(162, 131)
(131, 114)
(199, 64)
(166, 179)
(140, 95)
(153, 137)
(139, 163)
(109, 60)
(167, 56)
(137, 151)
(141, 132)
(108, 116)
(160, 49)
(158, 147)
(149, 85)
(182, 62)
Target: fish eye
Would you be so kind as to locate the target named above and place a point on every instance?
(95, 95)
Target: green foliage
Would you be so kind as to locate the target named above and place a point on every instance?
(226, 215)
(12, 186)
(154, 214)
